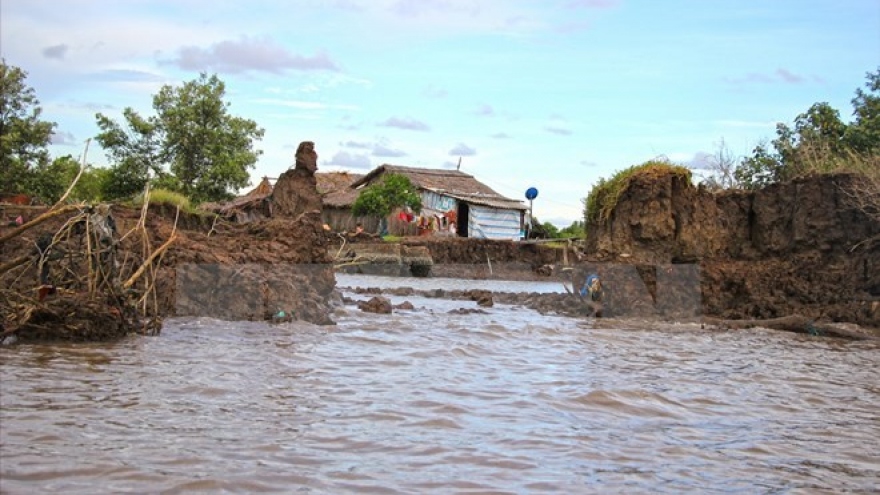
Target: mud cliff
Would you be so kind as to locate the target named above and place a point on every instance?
(256, 270)
(796, 247)
(209, 267)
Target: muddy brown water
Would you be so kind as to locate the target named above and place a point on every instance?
(423, 401)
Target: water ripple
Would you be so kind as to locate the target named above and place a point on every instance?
(425, 402)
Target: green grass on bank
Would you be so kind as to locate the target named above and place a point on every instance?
(604, 196)
(168, 198)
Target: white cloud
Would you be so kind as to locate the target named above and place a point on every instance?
(356, 144)
(350, 160)
(485, 111)
(701, 160)
(384, 151)
(405, 123)
(462, 150)
(63, 139)
(249, 54)
(558, 130)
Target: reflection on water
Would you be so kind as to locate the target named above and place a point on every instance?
(423, 401)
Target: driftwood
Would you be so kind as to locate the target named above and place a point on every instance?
(5, 267)
(37, 221)
(78, 276)
(149, 262)
(797, 324)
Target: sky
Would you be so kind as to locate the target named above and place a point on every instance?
(551, 94)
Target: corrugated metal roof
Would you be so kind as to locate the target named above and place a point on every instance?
(496, 201)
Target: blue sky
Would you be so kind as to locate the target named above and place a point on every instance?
(550, 94)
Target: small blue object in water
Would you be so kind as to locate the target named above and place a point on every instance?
(281, 314)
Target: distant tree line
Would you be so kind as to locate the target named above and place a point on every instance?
(547, 230)
(192, 145)
(817, 141)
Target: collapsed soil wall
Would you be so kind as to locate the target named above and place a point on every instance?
(464, 251)
(797, 247)
(212, 268)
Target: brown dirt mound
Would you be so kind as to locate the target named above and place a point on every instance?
(75, 318)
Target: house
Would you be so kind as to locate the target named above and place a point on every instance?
(453, 203)
(337, 196)
(255, 205)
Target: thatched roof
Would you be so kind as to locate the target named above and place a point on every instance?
(335, 188)
(452, 183)
(264, 188)
(252, 198)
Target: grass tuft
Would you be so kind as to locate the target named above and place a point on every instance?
(603, 198)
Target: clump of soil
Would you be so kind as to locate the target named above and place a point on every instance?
(79, 318)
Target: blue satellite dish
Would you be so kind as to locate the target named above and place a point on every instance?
(531, 193)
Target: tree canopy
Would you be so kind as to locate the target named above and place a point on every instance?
(390, 192)
(192, 145)
(818, 141)
(24, 136)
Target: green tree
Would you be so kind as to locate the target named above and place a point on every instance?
(863, 135)
(818, 141)
(207, 151)
(381, 198)
(210, 151)
(761, 169)
(24, 136)
(576, 229)
(49, 181)
(134, 153)
(550, 230)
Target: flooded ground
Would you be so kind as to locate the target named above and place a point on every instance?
(424, 401)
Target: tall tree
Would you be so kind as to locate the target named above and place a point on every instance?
(133, 152)
(863, 135)
(24, 136)
(192, 137)
(210, 151)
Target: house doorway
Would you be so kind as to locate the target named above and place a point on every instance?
(463, 214)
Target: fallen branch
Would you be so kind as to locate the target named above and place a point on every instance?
(5, 267)
(82, 168)
(213, 224)
(37, 221)
(140, 271)
(797, 324)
